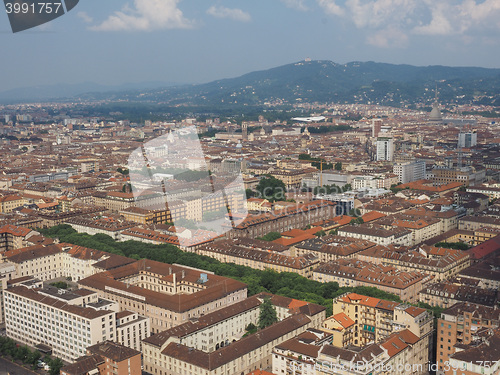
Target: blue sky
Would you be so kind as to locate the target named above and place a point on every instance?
(191, 41)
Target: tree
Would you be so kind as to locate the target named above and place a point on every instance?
(338, 166)
(271, 236)
(55, 366)
(320, 233)
(249, 193)
(358, 220)
(272, 189)
(267, 315)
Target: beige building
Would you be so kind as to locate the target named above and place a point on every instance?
(279, 221)
(438, 262)
(331, 247)
(308, 354)
(376, 319)
(10, 202)
(234, 251)
(106, 358)
(167, 294)
(352, 272)
(214, 344)
(378, 234)
(458, 327)
(59, 321)
(14, 237)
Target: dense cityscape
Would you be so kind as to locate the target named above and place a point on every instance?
(308, 239)
(230, 187)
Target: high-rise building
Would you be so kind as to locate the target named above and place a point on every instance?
(410, 171)
(467, 139)
(376, 126)
(385, 148)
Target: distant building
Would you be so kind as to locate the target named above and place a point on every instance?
(410, 171)
(385, 148)
(376, 126)
(435, 117)
(467, 139)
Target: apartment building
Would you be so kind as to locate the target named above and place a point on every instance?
(68, 321)
(448, 219)
(438, 262)
(167, 294)
(422, 228)
(293, 178)
(378, 234)
(61, 260)
(486, 273)
(353, 272)
(480, 357)
(308, 354)
(279, 221)
(48, 316)
(14, 237)
(9, 202)
(106, 358)
(447, 293)
(92, 224)
(42, 262)
(458, 326)
(477, 222)
(375, 319)
(7, 273)
(215, 343)
(237, 252)
(144, 216)
(331, 247)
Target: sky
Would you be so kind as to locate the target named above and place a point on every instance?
(113, 42)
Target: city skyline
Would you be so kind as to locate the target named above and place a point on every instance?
(193, 42)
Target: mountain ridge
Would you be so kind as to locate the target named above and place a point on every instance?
(324, 81)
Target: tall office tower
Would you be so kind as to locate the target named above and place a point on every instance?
(467, 139)
(376, 126)
(385, 148)
(410, 171)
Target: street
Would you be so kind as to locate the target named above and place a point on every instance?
(7, 367)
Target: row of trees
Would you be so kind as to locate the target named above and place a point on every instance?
(24, 354)
(285, 284)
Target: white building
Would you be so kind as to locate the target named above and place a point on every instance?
(467, 139)
(68, 321)
(410, 171)
(385, 148)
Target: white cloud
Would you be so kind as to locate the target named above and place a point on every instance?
(439, 24)
(85, 17)
(295, 4)
(421, 17)
(234, 14)
(331, 7)
(388, 38)
(146, 15)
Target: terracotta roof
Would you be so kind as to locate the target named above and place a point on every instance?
(113, 351)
